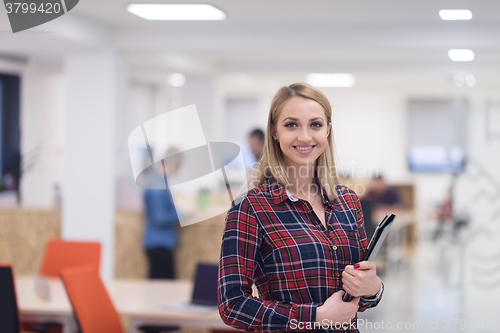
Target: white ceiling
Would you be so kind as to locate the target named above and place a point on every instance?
(278, 36)
(306, 12)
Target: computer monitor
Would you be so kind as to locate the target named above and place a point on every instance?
(205, 285)
(436, 159)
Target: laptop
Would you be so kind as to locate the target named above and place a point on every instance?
(204, 297)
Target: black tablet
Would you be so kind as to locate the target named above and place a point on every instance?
(378, 238)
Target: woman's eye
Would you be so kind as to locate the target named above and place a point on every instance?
(317, 125)
(291, 125)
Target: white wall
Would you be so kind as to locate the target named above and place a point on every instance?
(42, 133)
(140, 108)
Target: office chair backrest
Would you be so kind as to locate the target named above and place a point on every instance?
(60, 254)
(9, 313)
(91, 303)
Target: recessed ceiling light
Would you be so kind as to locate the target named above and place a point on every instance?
(455, 14)
(461, 54)
(176, 79)
(177, 12)
(340, 80)
(470, 80)
(459, 80)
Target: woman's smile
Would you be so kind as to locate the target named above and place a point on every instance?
(304, 150)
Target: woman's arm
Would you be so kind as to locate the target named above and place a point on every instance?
(237, 267)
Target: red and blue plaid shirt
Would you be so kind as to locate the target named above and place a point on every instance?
(277, 242)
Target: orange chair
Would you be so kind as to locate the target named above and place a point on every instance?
(60, 254)
(94, 310)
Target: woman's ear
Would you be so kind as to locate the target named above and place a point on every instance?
(274, 133)
(329, 129)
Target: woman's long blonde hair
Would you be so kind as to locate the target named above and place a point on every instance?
(272, 162)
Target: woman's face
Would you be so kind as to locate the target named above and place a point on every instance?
(302, 131)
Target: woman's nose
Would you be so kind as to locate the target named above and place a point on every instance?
(304, 135)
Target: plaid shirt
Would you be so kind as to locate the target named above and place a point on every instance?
(277, 242)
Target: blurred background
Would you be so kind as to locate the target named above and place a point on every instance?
(73, 89)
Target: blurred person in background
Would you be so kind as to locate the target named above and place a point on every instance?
(253, 151)
(377, 201)
(160, 234)
(298, 236)
(444, 215)
(256, 142)
(382, 195)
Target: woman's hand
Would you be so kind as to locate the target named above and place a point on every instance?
(335, 310)
(361, 279)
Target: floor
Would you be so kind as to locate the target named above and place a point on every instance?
(429, 291)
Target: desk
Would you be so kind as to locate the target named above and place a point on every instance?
(58, 309)
(139, 300)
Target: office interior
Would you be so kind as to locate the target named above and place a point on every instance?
(430, 125)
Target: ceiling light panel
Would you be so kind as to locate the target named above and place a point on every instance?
(461, 54)
(339, 80)
(176, 12)
(455, 14)
(176, 79)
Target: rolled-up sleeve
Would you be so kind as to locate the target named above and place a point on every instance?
(366, 303)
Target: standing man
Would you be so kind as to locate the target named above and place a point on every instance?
(256, 142)
(160, 234)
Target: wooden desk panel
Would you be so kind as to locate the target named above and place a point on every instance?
(23, 233)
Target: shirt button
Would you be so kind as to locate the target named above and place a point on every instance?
(338, 274)
(335, 247)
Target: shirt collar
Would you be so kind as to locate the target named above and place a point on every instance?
(291, 197)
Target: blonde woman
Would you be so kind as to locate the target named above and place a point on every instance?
(297, 235)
